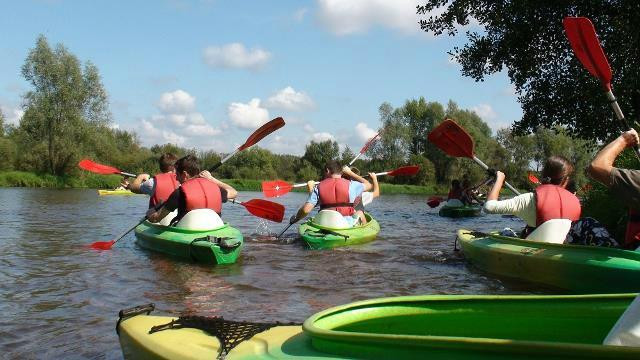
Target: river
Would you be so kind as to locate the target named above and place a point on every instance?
(61, 299)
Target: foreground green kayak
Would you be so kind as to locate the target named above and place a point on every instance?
(220, 246)
(579, 269)
(115, 192)
(410, 327)
(461, 211)
(321, 237)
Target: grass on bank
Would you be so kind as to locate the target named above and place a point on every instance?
(94, 181)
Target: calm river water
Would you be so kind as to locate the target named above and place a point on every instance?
(60, 299)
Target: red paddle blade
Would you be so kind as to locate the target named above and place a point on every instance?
(265, 209)
(275, 188)
(585, 44)
(102, 245)
(452, 139)
(433, 203)
(405, 171)
(369, 143)
(263, 131)
(89, 165)
(533, 179)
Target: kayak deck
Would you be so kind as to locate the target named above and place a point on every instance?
(219, 246)
(412, 327)
(580, 269)
(458, 212)
(321, 237)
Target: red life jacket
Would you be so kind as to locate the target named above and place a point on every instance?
(334, 195)
(201, 193)
(555, 202)
(165, 184)
(632, 236)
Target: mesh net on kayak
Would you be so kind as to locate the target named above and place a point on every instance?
(230, 333)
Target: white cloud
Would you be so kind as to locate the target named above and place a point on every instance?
(176, 102)
(364, 132)
(235, 56)
(248, 116)
(322, 136)
(357, 16)
(12, 115)
(300, 14)
(201, 130)
(290, 99)
(485, 111)
(172, 137)
(114, 126)
(308, 128)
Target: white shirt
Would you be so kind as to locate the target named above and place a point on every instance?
(522, 206)
(367, 198)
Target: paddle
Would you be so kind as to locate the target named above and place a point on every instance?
(257, 135)
(277, 188)
(434, 201)
(264, 209)
(94, 167)
(586, 46)
(365, 147)
(534, 180)
(456, 142)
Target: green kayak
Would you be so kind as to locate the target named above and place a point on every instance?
(579, 269)
(219, 246)
(460, 211)
(321, 237)
(409, 327)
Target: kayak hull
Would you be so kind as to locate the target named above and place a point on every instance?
(320, 237)
(459, 212)
(115, 192)
(412, 327)
(579, 269)
(220, 246)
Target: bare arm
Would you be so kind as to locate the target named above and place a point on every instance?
(376, 187)
(497, 186)
(135, 185)
(155, 216)
(231, 192)
(602, 165)
(302, 212)
(358, 178)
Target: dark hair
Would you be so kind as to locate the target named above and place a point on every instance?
(189, 164)
(466, 183)
(556, 169)
(167, 162)
(333, 166)
(455, 183)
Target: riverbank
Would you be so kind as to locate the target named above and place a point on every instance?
(93, 181)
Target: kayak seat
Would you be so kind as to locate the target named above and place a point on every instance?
(331, 219)
(166, 221)
(454, 203)
(626, 331)
(201, 220)
(551, 231)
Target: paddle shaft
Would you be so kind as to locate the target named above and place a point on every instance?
(283, 231)
(214, 167)
(484, 166)
(127, 174)
(128, 231)
(620, 116)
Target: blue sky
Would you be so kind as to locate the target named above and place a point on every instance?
(206, 73)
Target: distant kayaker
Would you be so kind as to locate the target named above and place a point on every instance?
(624, 183)
(469, 196)
(161, 185)
(456, 190)
(336, 193)
(549, 201)
(198, 190)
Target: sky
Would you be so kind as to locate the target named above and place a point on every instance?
(205, 73)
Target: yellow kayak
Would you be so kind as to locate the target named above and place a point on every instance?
(115, 192)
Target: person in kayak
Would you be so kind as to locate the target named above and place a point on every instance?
(336, 193)
(198, 190)
(469, 196)
(624, 183)
(161, 185)
(455, 193)
(549, 201)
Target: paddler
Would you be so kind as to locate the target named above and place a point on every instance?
(161, 185)
(624, 183)
(198, 190)
(550, 200)
(456, 190)
(336, 193)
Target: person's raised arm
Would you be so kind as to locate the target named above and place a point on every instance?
(137, 182)
(376, 186)
(358, 178)
(302, 212)
(602, 165)
(494, 194)
(231, 192)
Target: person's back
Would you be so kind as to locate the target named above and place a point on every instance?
(456, 190)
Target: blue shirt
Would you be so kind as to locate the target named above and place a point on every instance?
(148, 187)
(355, 189)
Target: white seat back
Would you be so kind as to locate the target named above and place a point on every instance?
(166, 221)
(331, 219)
(454, 203)
(626, 332)
(200, 219)
(551, 231)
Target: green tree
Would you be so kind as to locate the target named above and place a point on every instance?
(347, 155)
(63, 110)
(318, 153)
(527, 39)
